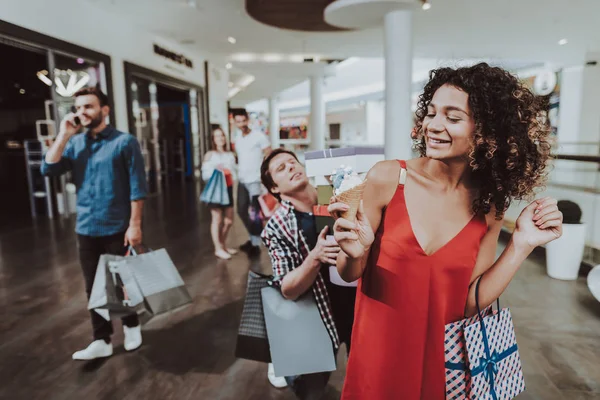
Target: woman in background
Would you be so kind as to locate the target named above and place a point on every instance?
(220, 158)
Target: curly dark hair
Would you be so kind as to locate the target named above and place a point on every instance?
(511, 145)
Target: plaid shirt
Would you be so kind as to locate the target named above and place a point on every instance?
(288, 249)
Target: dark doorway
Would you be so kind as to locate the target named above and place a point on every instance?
(22, 103)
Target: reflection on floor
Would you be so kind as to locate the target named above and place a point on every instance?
(189, 354)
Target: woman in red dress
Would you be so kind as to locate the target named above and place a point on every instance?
(428, 228)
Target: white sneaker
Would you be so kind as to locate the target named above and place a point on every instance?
(133, 337)
(98, 349)
(277, 381)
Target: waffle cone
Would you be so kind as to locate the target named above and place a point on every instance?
(352, 198)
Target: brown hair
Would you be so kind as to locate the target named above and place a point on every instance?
(511, 146)
(212, 137)
(265, 175)
(94, 91)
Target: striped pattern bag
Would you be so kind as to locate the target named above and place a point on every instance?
(482, 358)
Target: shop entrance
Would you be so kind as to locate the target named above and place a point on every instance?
(167, 117)
(36, 89)
(22, 102)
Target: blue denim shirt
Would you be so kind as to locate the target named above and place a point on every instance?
(108, 172)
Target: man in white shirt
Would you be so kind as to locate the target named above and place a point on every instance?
(251, 147)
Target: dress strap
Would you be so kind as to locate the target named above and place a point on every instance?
(402, 179)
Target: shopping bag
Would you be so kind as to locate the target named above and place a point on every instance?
(268, 205)
(228, 177)
(482, 357)
(159, 281)
(298, 339)
(252, 341)
(115, 292)
(215, 191)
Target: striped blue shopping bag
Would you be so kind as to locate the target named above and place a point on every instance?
(482, 357)
(215, 191)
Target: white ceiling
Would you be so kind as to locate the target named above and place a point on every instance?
(527, 31)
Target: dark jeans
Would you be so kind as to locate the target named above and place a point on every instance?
(247, 196)
(90, 250)
(309, 387)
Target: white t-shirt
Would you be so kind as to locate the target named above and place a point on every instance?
(249, 150)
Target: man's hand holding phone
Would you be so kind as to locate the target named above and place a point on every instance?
(69, 126)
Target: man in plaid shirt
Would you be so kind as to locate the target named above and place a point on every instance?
(300, 257)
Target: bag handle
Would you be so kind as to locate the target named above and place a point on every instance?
(477, 300)
(489, 363)
(132, 252)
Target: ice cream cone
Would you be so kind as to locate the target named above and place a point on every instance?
(352, 198)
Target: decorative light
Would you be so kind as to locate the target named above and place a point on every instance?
(74, 84)
(80, 61)
(562, 42)
(426, 5)
(228, 65)
(43, 76)
(231, 40)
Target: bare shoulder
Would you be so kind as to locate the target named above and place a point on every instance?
(382, 182)
(383, 173)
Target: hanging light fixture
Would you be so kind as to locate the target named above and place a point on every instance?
(426, 5)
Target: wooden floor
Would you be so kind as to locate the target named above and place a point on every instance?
(189, 354)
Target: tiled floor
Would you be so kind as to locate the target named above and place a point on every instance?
(189, 354)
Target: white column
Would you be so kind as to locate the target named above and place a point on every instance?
(317, 114)
(398, 84)
(274, 122)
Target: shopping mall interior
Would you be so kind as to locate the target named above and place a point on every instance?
(312, 75)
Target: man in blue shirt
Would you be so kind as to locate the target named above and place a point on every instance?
(108, 171)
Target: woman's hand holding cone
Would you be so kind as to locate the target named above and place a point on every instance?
(354, 238)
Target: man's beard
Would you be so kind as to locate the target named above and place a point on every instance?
(95, 122)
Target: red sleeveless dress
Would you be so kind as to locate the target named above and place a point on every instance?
(404, 300)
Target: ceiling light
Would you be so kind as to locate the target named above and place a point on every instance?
(317, 59)
(272, 57)
(562, 42)
(231, 40)
(80, 61)
(228, 66)
(297, 58)
(426, 5)
(233, 91)
(22, 91)
(247, 80)
(243, 57)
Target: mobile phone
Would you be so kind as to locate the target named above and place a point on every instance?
(76, 120)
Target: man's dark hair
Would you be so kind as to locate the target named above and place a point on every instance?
(265, 175)
(240, 112)
(94, 91)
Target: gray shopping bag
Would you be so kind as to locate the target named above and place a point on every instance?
(115, 291)
(298, 338)
(159, 281)
(252, 341)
